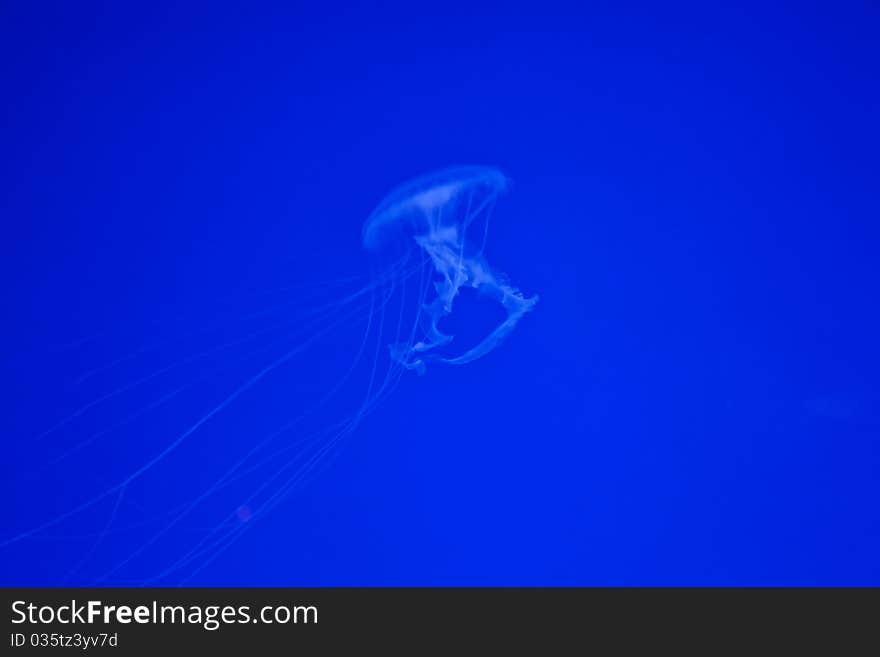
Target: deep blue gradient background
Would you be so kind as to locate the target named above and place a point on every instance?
(695, 198)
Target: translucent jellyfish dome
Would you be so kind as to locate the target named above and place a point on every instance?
(447, 200)
(443, 218)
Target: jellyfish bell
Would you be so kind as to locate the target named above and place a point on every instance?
(435, 217)
(442, 203)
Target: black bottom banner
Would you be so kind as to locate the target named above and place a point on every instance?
(286, 620)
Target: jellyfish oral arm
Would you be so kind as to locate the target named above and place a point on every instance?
(515, 304)
(456, 268)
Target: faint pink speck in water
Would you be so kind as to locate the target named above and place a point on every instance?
(244, 513)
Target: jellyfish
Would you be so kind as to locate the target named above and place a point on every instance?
(160, 407)
(435, 213)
